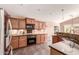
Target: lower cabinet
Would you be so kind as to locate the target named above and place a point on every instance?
(18, 41)
(56, 39)
(14, 42)
(22, 41)
(40, 38)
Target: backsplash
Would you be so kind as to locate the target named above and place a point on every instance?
(20, 32)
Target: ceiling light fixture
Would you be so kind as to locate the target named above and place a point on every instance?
(72, 26)
(62, 10)
(21, 4)
(38, 9)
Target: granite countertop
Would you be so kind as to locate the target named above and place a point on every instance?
(65, 48)
(28, 34)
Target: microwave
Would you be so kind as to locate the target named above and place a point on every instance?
(30, 26)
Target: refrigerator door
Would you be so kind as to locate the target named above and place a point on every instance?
(8, 38)
(1, 31)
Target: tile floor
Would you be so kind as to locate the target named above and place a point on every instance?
(41, 49)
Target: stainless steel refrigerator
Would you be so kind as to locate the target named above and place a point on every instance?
(5, 36)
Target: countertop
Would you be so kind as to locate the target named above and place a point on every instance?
(28, 34)
(65, 48)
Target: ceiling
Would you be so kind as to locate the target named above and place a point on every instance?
(43, 12)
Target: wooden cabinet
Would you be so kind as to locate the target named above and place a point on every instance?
(30, 21)
(39, 25)
(14, 42)
(56, 39)
(36, 25)
(19, 41)
(22, 24)
(42, 38)
(18, 23)
(22, 41)
(14, 23)
(38, 38)
(43, 25)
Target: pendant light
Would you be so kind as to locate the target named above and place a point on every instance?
(71, 44)
(62, 10)
(72, 26)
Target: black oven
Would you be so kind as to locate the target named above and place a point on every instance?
(31, 39)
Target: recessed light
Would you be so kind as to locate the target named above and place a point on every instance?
(62, 9)
(21, 4)
(38, 9)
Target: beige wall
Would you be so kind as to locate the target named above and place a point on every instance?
(69, 22)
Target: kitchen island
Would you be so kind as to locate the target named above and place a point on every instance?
(62, 48)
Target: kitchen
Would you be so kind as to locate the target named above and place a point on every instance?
(28, 35)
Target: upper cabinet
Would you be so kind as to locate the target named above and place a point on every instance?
(40, 25)
(30, 21)
(36, 25)
(14, 23)
(17, 23)
(21, 24)
(43, 25)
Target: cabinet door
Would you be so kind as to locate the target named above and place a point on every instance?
(14, 23)
(38, 38)
(36, 25)
(40, 25)
(42, 38)
(30, 21)
(43, 25)
(33, 21)
(14, 42)
(22, 41)
(56, 39)
(22, 24)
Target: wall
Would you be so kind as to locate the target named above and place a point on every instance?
(50, 31)
(68, 23)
